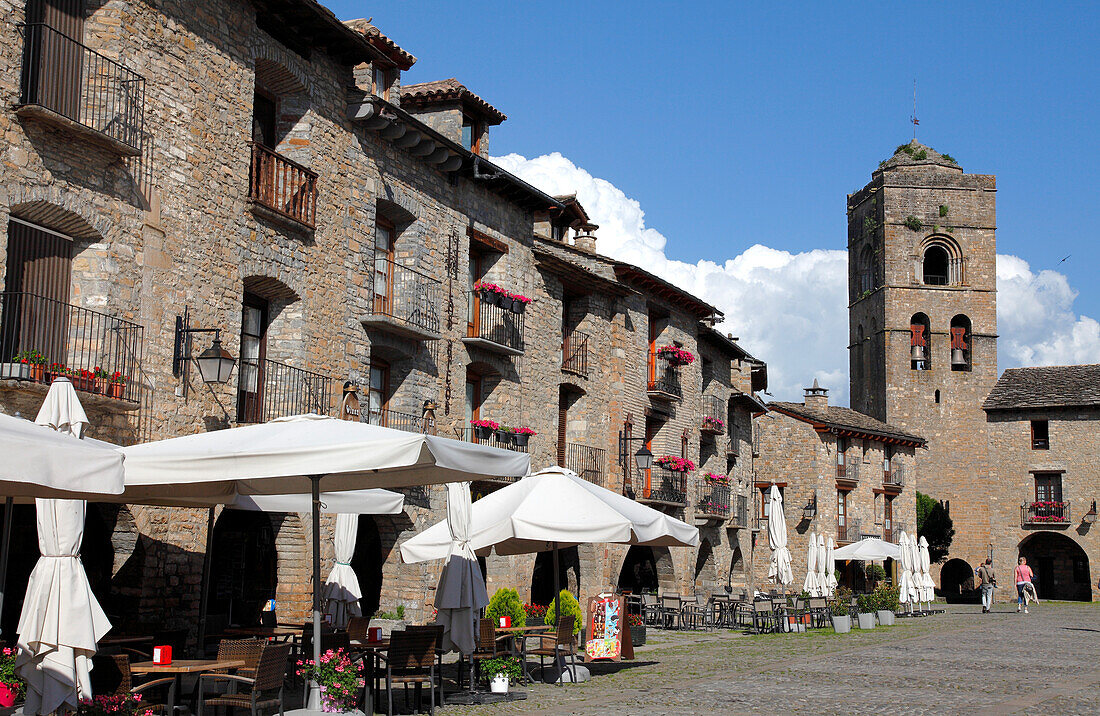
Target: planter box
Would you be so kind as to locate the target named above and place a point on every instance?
(637, 635)
(499, 684)
(18, 371)
(867, 620)
(388, 626)
(842, 625)
(885, 618)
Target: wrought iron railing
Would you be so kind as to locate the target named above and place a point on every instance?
(574, 353)
(663, 486)
(849, 470)
(496, 324)
(587, 461)
(283, 186)
(407, 295)
(492, 439)
(98, 352)
(76, 82)
(892, 531)
(739, 511)
(714, 415)
(1045, 512)
(401, 421)
(713, 499)
(849, 531)
(894, 474)
(667, 383)
(269, 389)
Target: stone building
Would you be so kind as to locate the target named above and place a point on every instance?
(256, 169)
(842, 474)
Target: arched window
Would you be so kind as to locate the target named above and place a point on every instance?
(866, 270)
(961, 343)
(920, 342)
(936, 263)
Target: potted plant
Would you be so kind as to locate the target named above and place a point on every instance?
(505, 602)
(83, 379)
(115, 385)
(569, 607)
(504, 300)
(483, 429)
(519, 302)
(55, 370)
(535, 612)
(637, 629)
(11, 686)
(875, 575)
(712, 424)
(26, 365)
(674, 464)
(887, 603)
(675, 355)
(500, 672)
(502, 434)
(339, 677)
(522, 436)
(490, 293)
(716, 479)
(867, 608)
(842, 621)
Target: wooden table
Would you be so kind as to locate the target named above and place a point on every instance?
(521, 639)
(178, 668)
(277, 633)
(370, 651)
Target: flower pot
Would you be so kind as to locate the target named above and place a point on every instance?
(518, 306)
(521, 439)
(867, 620)
(885, 617)
(7, 696)
(499, 684)
(482, 432)
(637, 635)
(114, 390)
(501, 436)
(17, 371)
(505, 302)
(490, 297)
(842, 624)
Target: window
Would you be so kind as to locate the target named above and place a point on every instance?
(841, 457)
(878, 508)
(378, 392)
(936, 397)
(472, 404)
(381, 79)
(936, 263)
(920, 342)
(471, 133)
(887, 514)
(841, 510)
(265, 113)
(1048, 487)
(887, 457)
(383, 266)
(250, 379)
(39, 264)
(960, 343)
(765, 503)
(1040, 435)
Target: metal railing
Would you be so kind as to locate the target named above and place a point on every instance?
(494, 439)
(574, 353)
(495, 324)
(269, 389)
(892, 532)
(849, 531)
(848, 471)
(713, 499)
(895, 475)
(401, 421)
(98, 352)
(78, 83)
(739, 514)
(667, 383)
(664, 486)
(283, 186)
(407, 295)
(587, 461)
(1045, 512)
(714, 415)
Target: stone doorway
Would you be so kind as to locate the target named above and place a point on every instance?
(244, 567)
(366, 562)
(1061, 567)
(957, 581)
(542, 577)
(647, 569)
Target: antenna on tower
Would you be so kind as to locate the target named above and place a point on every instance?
(913, 117)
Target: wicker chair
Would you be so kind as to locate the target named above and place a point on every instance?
(561, 643)
(358, 628)
(111, 676)
(489, 645)
(411, 660)
(246, 650)
(265, 689)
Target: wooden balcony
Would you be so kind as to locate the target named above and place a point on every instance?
(282, 187)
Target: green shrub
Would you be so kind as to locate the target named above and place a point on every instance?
(840, 605)
(943, 209)
(887, 597)
(876, 573)
(569, 607)
(913, 223)
(507, 665)
(867, 603)
(396, 615)
(506, 603)
(920, 156)
(949, 158)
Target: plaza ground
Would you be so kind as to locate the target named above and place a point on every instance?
(959, 662)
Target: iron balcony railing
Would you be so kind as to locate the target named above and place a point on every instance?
(574, 353)
(892, 531)
(714, 415)
(42, 338)
(283, 186)
(1045, 512)
(664, 486)
(848, 470)
(492, 439)
(713, 499)
(406, 295)
(587, 461)
(848, 530)
(894, 474)
(269, 389)
(401, 421)
(739, 515)
(83, 86)
(667, 382)
(495, 324)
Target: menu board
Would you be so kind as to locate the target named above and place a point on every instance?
(608, 632)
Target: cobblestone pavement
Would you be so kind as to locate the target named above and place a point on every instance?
(963, 661)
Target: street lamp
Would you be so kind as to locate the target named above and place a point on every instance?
(215, 363)
(644, 460)
(1090, 516)
(809, 510)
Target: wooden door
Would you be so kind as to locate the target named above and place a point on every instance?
(53, 57)
(36, 300)
(650, 431)
(563, 420)
(888, 517)
(250, 380)
(842, 514)
(383, 267)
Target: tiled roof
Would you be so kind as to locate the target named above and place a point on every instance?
(1050, 387)
(845, 419)
(448, 90)
(385, 45)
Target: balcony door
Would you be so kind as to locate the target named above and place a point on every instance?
(36, 299)
(653, 331)
(53, 59)
(265, 115)
(250, 380)
(842, 514)
(651, 427)
(383, 267)
(888, 517)
(377, 396)
(1048, 487)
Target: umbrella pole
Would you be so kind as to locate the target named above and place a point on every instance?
(314, 702)
(204, 597)
(557, 587)
(5, 550)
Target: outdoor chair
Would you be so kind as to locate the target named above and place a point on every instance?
(651, 609)
(670, 611)
(437, 631)
(264, 690)
(560, 644)
(489, 645)
(246, 650)
(819, 611)
(358, 628)
(411, 660)
(693, 614)
(763, 616)
(111, 676)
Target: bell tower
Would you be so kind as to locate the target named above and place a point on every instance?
(922, 318)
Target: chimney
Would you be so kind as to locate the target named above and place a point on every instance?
(585, 239)
(816, 398)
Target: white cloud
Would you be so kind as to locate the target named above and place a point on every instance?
(790, 309)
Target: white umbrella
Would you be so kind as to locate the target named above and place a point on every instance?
(780, 568)
(40, 462)
(905, 570)
(822, 563)
(461, 594)
(811, 583)
(293, 455)
(341, 592)
(830, 564)
(871, 549)
(928, 585)
(61, 621)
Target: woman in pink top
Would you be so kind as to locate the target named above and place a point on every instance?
(1024, 575)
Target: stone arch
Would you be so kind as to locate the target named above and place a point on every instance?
(706, 569)
(282, 101)
(1061, 566)
(957, 581)
(246, 558)
(277, 65)
(63, 214)
(287, 328)
(962, 343)
(647, 569)
(542, 574)
(939, 261)
(920, 342)
(866, 264)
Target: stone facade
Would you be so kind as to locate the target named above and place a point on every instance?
(179, 229)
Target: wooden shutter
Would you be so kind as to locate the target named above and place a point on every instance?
(57, 56)
(36, 285)
(563, 419)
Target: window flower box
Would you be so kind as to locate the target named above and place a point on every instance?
(484, 429)
(675, 356)
(714, 425)
(522, 436)
(674, 464)
(716, 479)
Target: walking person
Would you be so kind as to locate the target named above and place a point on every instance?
(1023, 575)
(987, 581)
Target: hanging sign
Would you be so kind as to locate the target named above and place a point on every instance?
(608, 630)
(349, 406)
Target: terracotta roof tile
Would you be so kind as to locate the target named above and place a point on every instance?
(451, 89)
(385, 45)
(845, 419)
(1047, 387)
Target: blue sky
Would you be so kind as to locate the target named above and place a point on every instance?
(734, 124)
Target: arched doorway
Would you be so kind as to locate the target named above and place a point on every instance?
(542, 577)
(957, 581)
(243, 570)
(706, 571)
(647, 569)
(367, 564)
(1061, 567)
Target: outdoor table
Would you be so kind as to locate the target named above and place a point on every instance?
(178, 668)
(123, 640)
(521, 639)
(275, 633)
(370, 651)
